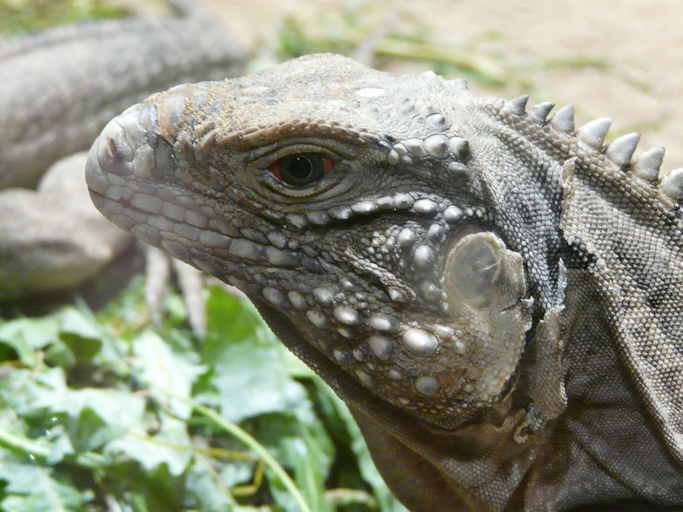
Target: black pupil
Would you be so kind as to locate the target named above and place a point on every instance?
(301, 170)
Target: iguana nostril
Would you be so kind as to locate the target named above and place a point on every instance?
(129, 145)
(139, 123)
(112, 152)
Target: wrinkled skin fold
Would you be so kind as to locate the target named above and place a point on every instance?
(497, 297)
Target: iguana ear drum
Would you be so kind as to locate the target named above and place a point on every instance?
(481, 272)
(486, 287)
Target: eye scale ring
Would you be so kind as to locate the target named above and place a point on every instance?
(301, 170)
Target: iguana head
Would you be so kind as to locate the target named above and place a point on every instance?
(383, 220)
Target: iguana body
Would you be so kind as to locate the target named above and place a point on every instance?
(58, 90)
(498, 298)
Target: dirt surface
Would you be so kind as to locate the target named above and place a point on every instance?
(640, 41)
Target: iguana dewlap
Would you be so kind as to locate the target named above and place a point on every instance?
(498, 297)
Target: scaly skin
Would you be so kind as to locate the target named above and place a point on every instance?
(498, 298)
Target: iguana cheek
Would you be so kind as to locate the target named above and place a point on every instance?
(442, 360)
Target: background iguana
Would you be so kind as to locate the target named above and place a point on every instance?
(59, 89)
(496, 296)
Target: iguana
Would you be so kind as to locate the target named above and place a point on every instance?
(58, 90)
(497, 296)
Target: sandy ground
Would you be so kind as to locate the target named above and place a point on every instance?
(641, 40)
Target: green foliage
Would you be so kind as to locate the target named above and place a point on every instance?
(18, 16)
(102, 412)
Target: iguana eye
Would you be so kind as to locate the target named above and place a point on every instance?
(301, 170)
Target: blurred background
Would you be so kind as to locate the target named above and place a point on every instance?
(103, 411)
(621, 59)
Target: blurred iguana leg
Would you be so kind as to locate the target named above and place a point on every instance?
(191, 283)
(158, 272)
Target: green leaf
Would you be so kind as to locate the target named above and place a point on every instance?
(300, 442)
(34, 488)
(170, 446)
(119, 410)
(52, 445)
(67, 336)
(80, 333)
(22, 389)
(140, 490)
(113, 417)
(247, 377)
(165, 372)
(27, 335)
(258, 448)
(93, 417)
(207, 489)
